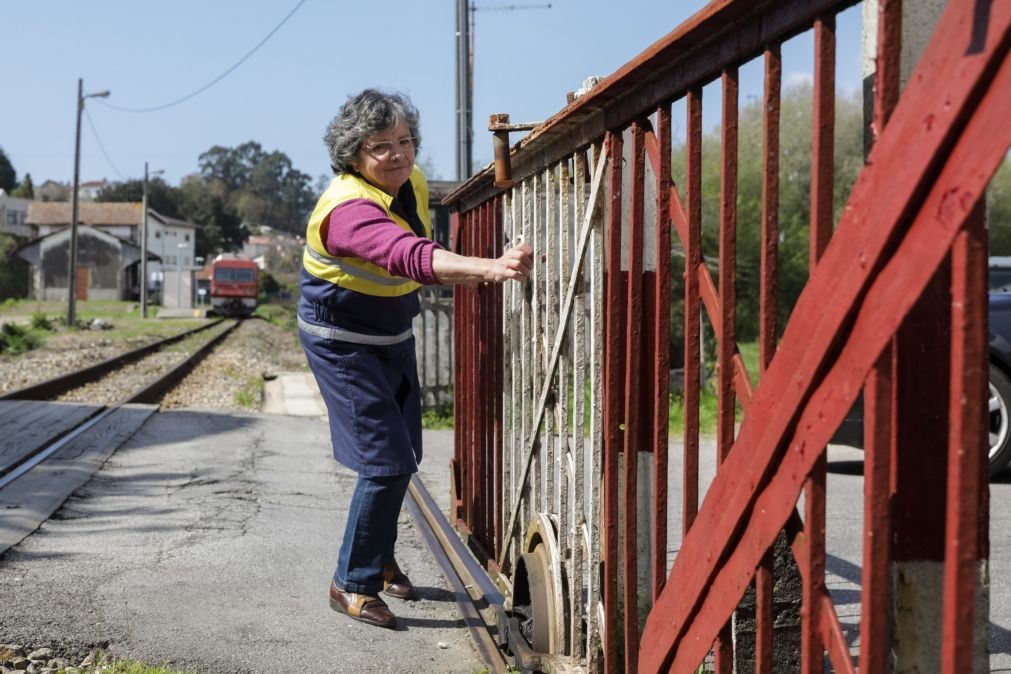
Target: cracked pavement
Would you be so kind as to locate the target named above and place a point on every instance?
(207, 541)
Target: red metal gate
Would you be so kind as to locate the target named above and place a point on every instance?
(545, 474)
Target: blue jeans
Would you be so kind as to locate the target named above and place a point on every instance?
(370, 533)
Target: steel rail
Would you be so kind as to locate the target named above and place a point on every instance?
(57, 385)
(468, 582)
(148, 394)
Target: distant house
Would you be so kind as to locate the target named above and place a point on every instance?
(88, 191)
(171, 245)
(14, 215)
(107, 266)
(437, 191)
(52, 191)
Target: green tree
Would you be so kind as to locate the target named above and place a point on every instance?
(8, 176)
(262, 188)
(205, 202)
(26, 190)
(794, 197)
(998, 201)
(161, 196)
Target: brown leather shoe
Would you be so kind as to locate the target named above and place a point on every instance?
(366, 608)
(396, 583)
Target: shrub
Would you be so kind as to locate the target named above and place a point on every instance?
(15, 339)
(41, 322)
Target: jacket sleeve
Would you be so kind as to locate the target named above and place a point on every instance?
(361, 228)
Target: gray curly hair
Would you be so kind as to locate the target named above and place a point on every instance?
(362, 115)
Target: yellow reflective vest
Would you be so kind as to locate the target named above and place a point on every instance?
(351, 272)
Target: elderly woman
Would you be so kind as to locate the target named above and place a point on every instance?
(368, 250)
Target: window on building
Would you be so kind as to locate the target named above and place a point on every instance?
(187, 237)
(157, 235)
(12, 218)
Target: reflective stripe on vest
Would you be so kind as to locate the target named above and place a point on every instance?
(339, 335)
(353, 270)
(350, 272)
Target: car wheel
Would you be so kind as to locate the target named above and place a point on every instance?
(1000, 420)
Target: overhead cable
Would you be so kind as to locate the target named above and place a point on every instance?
(216, 79)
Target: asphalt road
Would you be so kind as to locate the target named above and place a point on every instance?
(208, 541)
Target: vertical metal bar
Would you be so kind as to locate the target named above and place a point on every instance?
(823, 123)
(504, 503)
(967, 444)
(595, 614)
(693, 259)
(468, 365)
(875, 618)
(495, 514)
(727, 339)
(822, 145)
(768, 306)
(661, 341)
(552, 464)
(568, 539)
(529, 383)
(633, 368)
(485, 404)
(879, 412)
(537, 474)
(490, 353)
(579, 367)
(481, 403)
(475, 409)
(421, 344)
(458, 382)
(888, 63)
(613, 382)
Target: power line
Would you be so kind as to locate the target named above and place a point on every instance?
(91, 123)
(219, 77)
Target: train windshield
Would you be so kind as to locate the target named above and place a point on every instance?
(226, 275)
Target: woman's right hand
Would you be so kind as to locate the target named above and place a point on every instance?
(514, 265)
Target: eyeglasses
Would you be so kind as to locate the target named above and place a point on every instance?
(383, 149)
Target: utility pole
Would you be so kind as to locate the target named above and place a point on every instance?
(143, 244)
(465, 77)
(463, 92)
(72, 262)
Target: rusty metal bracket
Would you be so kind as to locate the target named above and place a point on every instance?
(500, 126)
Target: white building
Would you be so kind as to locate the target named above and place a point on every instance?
(14, 215)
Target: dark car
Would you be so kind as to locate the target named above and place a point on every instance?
(1000, 362)
(999, 282)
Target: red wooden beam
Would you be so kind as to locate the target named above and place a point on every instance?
(726, 333)
(967, 444)
(633, 367)
(661, 341)
(692, 241)
(613, 403)
(768, 307)
(945, 91)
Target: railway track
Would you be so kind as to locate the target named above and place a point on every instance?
(53, 447)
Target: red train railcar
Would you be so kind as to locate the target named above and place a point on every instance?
(233, 286)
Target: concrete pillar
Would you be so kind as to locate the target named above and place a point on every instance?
(921, 423)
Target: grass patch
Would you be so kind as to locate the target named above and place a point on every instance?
(250, 394)
(437, 417)
(281, 315)
(128, 667)
(16, 339)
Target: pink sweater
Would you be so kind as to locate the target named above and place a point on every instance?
(361, 228)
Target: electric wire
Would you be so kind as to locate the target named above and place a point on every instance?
(98, 138)
(216, 79)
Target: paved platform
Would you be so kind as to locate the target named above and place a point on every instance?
(208, 540)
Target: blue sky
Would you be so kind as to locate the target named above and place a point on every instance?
(150, 53)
